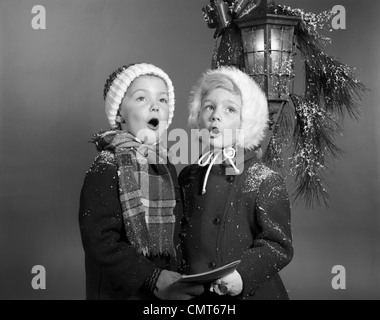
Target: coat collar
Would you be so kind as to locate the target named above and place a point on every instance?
(245, 157)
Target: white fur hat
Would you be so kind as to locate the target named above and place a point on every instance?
(254, 114)
(118, 83)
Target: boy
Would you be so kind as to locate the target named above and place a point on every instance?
(130, 205)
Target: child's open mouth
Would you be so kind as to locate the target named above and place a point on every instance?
(153, 124)
(214, 131)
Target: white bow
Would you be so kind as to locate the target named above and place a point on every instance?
(210, 157)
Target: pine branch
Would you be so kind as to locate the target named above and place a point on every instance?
(314, 148)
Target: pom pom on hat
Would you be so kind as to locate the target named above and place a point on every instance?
(254, 114)
(119, 81)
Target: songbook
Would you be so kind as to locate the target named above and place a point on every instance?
(211, 275)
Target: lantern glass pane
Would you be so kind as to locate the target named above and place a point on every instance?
(282, 38)
(253, 39)
(279, 87)
(285, 86)
(281, 63)
(270, 64)
(281, 75)
(261, 81)
(286, 67)
(254, 63)
(248, 36)
(275, 58)
(272, 87)
(259, 40)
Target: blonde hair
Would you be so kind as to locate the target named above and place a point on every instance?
(218, 81)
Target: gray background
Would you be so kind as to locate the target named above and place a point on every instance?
(51, 103)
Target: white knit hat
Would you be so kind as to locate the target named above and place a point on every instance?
(254, 115)
(121, 79)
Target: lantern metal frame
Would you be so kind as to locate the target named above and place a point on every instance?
(268, 49)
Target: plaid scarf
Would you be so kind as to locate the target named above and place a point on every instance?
(147, 196)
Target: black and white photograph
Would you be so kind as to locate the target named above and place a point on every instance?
(208, 151)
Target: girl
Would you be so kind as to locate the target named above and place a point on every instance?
(129, 205)
(240, 216)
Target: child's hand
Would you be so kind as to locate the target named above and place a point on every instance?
(168, 287)
(231, 285)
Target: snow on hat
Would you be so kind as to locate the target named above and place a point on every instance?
(119, 81)
(254, 114)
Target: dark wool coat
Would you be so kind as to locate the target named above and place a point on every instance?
(114, 269)
(244, 217)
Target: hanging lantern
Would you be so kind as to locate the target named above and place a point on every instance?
(259, 38)
(268, 49)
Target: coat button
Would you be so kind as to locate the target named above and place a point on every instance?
(212, 264)
(216, 220)
(230, 178)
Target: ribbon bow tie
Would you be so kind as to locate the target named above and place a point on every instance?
(210, 157)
